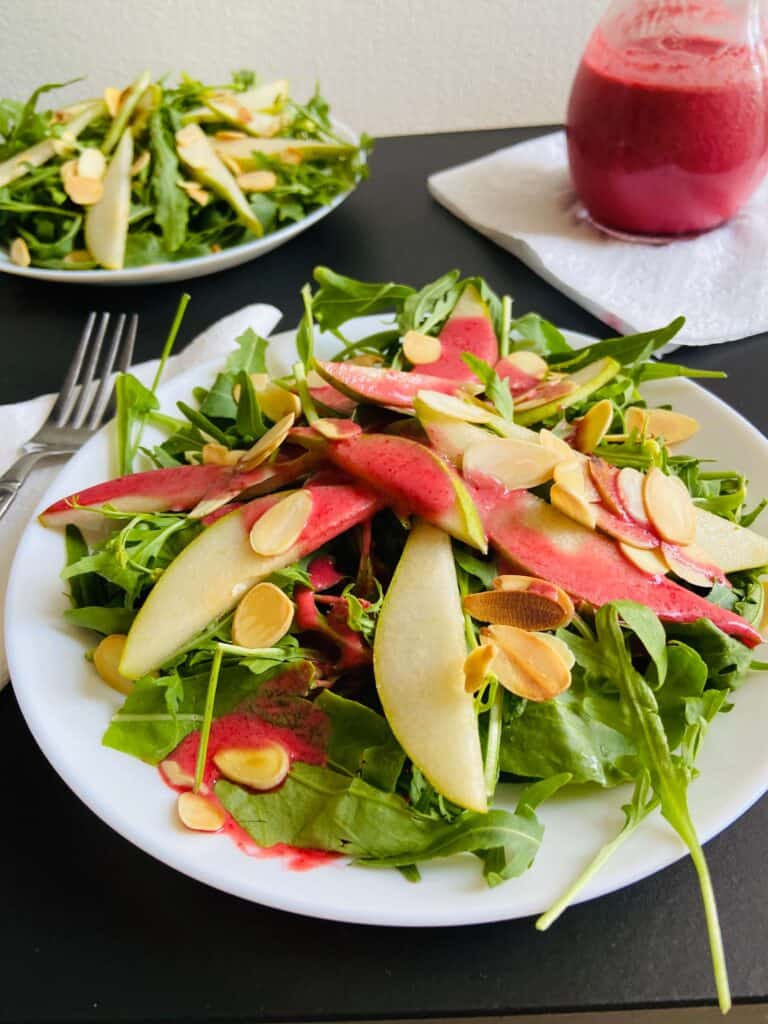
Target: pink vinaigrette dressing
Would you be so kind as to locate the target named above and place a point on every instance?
(303, 733)
(667, 133)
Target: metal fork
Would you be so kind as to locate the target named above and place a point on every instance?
(83, 404)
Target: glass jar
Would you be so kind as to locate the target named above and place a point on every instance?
(667, 122)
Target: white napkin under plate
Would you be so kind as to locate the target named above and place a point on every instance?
(22, 420)
(521, 197)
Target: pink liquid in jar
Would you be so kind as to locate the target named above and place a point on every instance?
(667, 132)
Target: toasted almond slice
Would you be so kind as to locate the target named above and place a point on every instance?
(215, 454)
(78, 257)
(175, 774)
(229, 133)
(106, 661)
(19, 253)
(534, 607)
(267, 444)
(140, 163)
(691, 564)
(593, 426)
(291, 157)
(364, 359)
(455, 408)
(91, 163)
(513, 581)
(478, 666)
(529, 666)
(556, 445)
(674, 427)
(257, 181)
(83, 191)
(200, 813)
(560, 647)
(282, 525)
(669, 507)
(263, 617)
(64, 144)
(646, 559)
(68, 170)
(516, 464)
(573, 505)
(257, 767)
(630, 483)
(336, 430)
(529, 363)
(198, 195)
(112, 99)
(573, 475)
(231, 164)
(421, 348)
(277, 402)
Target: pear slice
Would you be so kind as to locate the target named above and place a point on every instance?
(195, 150)
(418, 658)
(246, 151)
(20, 163)
(588, 379)
(730, 546)
(106, 222)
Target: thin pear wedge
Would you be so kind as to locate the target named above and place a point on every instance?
(106, 222)
(197, 153)
(246, 151)
(418, 658)
(211, 574)
(21, 163)
(584, 382)
(730, 546)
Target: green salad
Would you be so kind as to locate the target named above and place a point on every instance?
(349, 605)
(155, 173)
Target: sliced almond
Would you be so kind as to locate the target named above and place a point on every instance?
(674, 427)
(645, 559)
(112, 99)
(292, 157)
(91, 163)
(231, 164)
(106, 661)
(227, 134)
(560, 647)
(257, 181)
(630, 483)
(336, 430)
(267, 444)
(669, 507)
(200, 813)
(529, 363)
(530, 666)
(455, 408)
(691, 564)
(140, 163)
(68, 170)
(573, 475)
(196, 192)
(263, 617)
(593, 426)
(257, 767)
(83, 191)
(477, 667)
(556, 444)
(573, 505)
(215, 454)
(275, 401)
(364, 359)
(175, 774)
(515, 464)
(78, 257)
(421, 348)
(19, 253)
(533, 605)
(282, 525)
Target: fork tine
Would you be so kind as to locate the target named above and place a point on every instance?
(77, 417)
(64, 402)
(105, 382)
(124, 360)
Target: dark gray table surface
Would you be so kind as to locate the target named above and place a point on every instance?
(93, 929)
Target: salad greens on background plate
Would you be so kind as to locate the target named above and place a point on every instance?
(410, 606)
(157, 181)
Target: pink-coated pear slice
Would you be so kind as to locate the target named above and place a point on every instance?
(414, 480)
(176, 489)
(589, 566)
(392, 388)
(468, 329)
(211, 574)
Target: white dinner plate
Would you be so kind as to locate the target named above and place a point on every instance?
(199, 266)
(67, 708)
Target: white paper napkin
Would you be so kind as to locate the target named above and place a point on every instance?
(20, 422)
(521, 197)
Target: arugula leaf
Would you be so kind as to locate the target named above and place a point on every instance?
(539, 335)
(205, 728)
(249, 422)
(361, 742)
(134, 402)
(484, 571)
(627, 350)
(727, 660)
(305, 336)
(171, 204)
(341, 298)
(250, 355)
(428, 309)
(21, 125)
(496, 389)
(100, 618)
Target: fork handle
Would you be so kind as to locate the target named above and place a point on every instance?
(14, 477)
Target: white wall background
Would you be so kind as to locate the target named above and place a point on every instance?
(388, 66)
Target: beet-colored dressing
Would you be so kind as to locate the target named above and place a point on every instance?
(667, 132)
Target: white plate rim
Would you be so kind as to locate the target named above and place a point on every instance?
(196, 266)
(667, 848)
